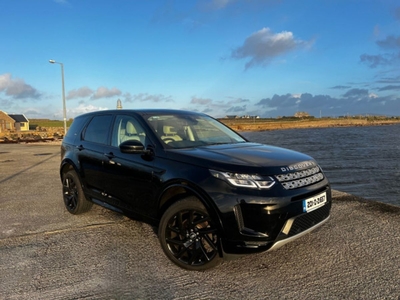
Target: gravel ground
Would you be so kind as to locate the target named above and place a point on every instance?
(47, 253)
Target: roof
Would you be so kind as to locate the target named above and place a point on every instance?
(143, 112)
(18, 118)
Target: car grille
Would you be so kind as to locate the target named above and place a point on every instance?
(308, 220)
(301, 178)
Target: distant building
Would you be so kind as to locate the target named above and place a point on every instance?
(119, 104)
(11, 122)
(301, 114)
(6, 122)
(241, 117)
(21, 122)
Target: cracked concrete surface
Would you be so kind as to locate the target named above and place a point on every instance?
(47, 253)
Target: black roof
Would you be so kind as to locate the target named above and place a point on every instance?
(18, 118)
(143, 112)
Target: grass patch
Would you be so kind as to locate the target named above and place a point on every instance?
(34, 123)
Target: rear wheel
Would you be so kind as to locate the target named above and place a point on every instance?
(188, 236)
(74, 198)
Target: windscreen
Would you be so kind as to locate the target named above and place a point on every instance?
(179, 131)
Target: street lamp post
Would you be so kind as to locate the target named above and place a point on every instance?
(63, 94)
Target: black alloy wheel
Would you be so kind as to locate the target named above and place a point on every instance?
(188, 236)
(74, 198)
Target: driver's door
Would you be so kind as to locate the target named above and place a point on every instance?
(130, 176)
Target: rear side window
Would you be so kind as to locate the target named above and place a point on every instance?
(75, 129)
(97, 130)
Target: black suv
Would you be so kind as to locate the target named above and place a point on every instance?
(208, 190)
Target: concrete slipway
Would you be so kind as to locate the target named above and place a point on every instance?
(46, 253)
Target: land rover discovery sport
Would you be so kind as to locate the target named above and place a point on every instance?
(208, 190)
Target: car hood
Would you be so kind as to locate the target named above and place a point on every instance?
(242, 157)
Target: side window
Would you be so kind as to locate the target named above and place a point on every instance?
(97, 130)
(127, 128)
(75, 129)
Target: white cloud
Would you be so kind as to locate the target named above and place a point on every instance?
(200, 101)
(237, 101)
(82, 108)
(373, 95)
(219, 108)
(390, 43)
(354, 102)
(144, 97)
(103, 92)
(264, 45)
(80, 93)
(17, 88)
(56, 112)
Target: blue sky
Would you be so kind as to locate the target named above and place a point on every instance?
(223, 57)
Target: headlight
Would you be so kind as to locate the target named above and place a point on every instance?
(245, 180)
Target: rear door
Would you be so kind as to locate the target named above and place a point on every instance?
(90, 151)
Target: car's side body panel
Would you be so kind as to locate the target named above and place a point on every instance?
(144, 184)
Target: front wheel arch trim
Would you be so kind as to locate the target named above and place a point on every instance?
(67, 165)
(189, 191)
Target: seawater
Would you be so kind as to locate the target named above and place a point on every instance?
(363, 161)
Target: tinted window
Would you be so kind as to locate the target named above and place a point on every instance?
(75, 129)
(126, 128)
(177, 131)
(97, 130)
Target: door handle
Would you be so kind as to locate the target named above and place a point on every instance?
(80, 147)
(110, 155)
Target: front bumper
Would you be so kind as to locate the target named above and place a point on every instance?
(289, 239)
(264, 228)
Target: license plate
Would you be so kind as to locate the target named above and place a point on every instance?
(313, 203)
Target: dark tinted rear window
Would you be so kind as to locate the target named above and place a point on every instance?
(75, 129)
(98, 128)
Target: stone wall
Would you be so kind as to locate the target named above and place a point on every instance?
(41, 133)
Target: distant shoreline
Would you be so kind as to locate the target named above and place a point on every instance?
(54, 134)
(263, 125)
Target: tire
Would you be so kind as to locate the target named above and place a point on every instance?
(74, 198)
(188, 236)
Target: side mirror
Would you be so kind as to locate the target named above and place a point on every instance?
(132, 146)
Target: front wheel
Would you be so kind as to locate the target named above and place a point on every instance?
(188, 236)
(74, 198)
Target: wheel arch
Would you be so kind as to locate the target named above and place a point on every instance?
(67, 165)
(179, 190)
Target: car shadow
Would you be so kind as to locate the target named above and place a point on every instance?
(31, 167)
